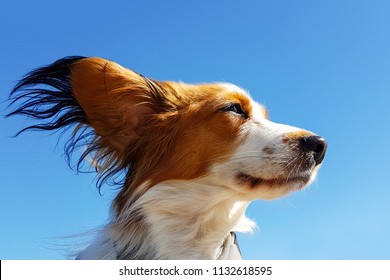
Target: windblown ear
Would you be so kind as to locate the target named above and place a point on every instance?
(115, 100)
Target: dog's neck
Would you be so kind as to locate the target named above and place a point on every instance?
(180, 220)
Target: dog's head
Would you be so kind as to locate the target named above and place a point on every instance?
(161, 131)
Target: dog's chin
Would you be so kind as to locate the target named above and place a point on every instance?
(289, 183)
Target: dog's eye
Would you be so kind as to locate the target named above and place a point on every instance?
(235, 108)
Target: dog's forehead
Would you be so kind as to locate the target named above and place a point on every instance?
(234, 93)
(258, 111)
(220, 94)
(233, 88)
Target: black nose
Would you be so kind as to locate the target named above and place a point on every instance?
(315, 144)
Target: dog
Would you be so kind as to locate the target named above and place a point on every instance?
(190, 158)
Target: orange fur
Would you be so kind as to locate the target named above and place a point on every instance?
(178, 145)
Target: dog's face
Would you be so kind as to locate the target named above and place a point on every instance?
(271, 159)
(226, 139)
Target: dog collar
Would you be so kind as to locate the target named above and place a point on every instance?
(230, 248)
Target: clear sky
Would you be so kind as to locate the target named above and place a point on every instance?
(319, 65)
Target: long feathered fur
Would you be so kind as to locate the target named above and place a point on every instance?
(46, 95)
(107, 107)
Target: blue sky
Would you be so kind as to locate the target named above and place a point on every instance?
(320, 65)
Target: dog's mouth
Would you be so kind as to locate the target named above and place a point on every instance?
(298, 180)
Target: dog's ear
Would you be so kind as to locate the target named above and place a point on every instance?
(118, 104)
(116, 100)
